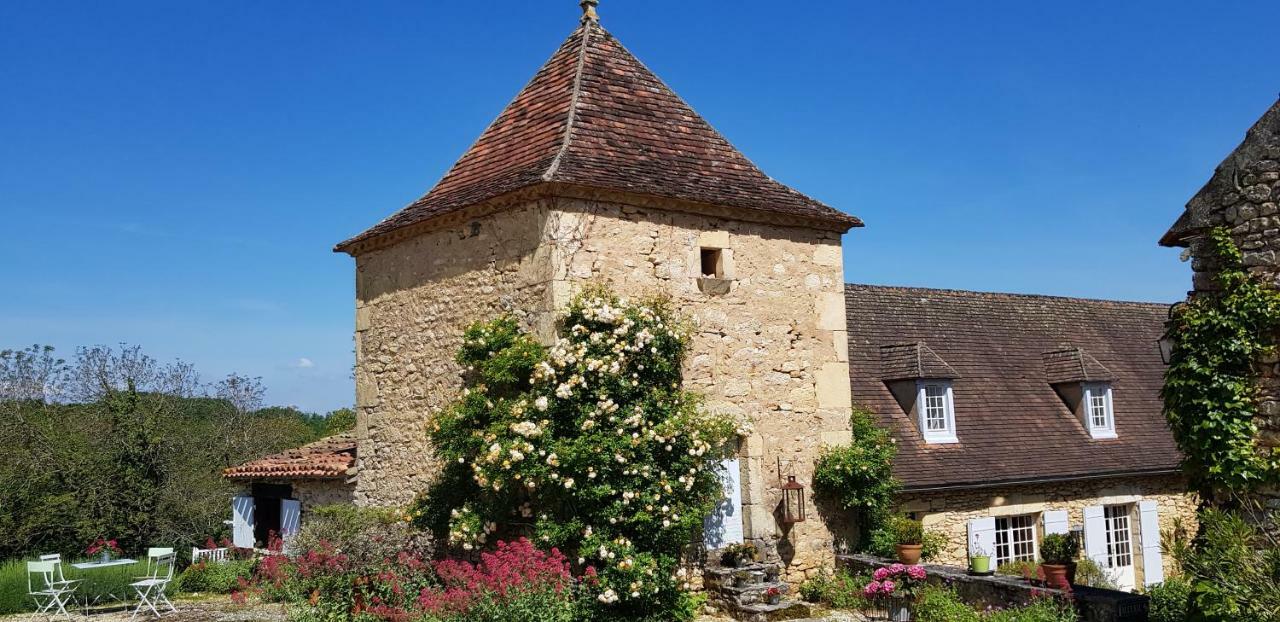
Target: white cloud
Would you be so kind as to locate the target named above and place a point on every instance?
(304, 363)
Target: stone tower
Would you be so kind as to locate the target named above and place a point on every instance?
(1242, 196)
(598, 172)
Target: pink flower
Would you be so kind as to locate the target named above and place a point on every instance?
(887, 587)
(872, 588)
(896, 568)
(880, 574)
(916, 572)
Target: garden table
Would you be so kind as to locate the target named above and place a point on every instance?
(94, 565)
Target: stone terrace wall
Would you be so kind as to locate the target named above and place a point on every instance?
(413, 301)
(317, 492)
(772, 349)
(949, 513)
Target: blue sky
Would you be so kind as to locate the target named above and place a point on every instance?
(174, 174)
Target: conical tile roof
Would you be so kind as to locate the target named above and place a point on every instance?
(594, 116)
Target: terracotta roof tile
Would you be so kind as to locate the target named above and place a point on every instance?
(327, 458)
(595, 116)
(1011, 423)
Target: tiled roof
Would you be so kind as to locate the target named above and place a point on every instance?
(913, 360)
(595, 116)
(327, 458)
(1011, 423)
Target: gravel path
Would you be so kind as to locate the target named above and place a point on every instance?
(215, 609)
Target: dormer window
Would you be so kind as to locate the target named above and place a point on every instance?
(935, 406)
(1098, 414)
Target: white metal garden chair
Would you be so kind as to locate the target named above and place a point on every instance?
(59, 579)
(153, 555)
(46, 590)
(151, 590)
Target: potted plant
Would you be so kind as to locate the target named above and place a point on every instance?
(104, 549)
(771, 573)
(893, 587)
(980, 561)
(773, 595)
(909, 540)
(1057, 550)
(742, 578)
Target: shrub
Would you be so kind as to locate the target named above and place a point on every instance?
(938, 604)
(214, 577)
(1024, 569)
(934, 544)
(365, 536)
(907, 531)
(1041, 609)
(1234, 569)
(858, 476)
(1090, 574)
(1058, 548)
(1169, 600)
(842, 590)
(591, 446)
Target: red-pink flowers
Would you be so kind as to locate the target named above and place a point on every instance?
(512, 568)
(894, 580)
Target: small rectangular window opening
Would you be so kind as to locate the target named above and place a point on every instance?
(712, 263)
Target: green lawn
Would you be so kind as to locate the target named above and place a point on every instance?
(94, 583)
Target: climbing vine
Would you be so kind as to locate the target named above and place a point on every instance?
(1210, 391)
(858, 477)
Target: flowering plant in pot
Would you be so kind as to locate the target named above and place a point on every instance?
(773, 595)
(909, 539)
(736, 555)
(980, 561)
(105, 549)
(1057, 551)
(894, 586)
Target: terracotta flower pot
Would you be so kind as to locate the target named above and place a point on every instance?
(1071, 572)
(1055, 575)
(909, 554)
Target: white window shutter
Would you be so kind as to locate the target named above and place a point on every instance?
(290, 517)
(982, 536)
(724, 526)
(1055, 521)
(1095, 535)
(242, 522)
(1152, 561)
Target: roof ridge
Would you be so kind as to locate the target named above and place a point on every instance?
(948, 290)
(573, 101)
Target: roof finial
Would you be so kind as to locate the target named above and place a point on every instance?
(589, 10)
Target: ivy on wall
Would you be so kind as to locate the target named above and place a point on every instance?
(858, 477)
(1211, 390)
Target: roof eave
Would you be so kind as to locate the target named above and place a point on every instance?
(1048, 479)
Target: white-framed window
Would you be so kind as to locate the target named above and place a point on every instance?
(936, 411)
(1098, 415)
(1016, 539)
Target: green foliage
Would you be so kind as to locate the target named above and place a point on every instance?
(1210, 396)
(842, 589)
(1090, 574)
(939, 604)
(214, 577)
(933, 545)
(858, 476)
(883, 541)
(365, 536)
(590, 446)
(735, 554)
(1023, 569)
(1169, 600)
(1043, 609)
(1058, 548)
(1234, 570)
(906, 530)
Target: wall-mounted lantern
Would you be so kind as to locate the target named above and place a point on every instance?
(792, 501)
(1166, 341)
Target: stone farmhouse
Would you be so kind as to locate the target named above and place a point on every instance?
(1242, 196)
(1017, 416)
(597, 172)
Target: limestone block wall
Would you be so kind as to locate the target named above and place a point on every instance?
(949, 513)
(771, 349)
(313, 493)
(413, 301)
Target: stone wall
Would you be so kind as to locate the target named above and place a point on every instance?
(1243, 196)
(771, 349)
(317, 492)
(413, 301)
(949, 512)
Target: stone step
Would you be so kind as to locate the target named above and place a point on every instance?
(764, 612)
(755, 588)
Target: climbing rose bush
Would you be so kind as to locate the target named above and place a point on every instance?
(589, 445)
